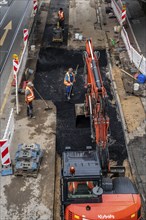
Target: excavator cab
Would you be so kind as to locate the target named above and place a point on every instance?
(86, 194)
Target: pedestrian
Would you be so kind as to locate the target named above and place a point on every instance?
(61, 18)
(69, 80)
(29, 97)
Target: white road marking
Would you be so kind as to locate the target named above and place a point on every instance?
(3, 2)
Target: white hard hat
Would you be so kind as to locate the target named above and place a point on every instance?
(30, 84)
(70, 69)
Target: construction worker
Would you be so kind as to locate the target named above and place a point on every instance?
(61, 18)
(72, 188)
(69, 80)
(29, 97)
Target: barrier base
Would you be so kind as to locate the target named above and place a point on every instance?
(6, 170)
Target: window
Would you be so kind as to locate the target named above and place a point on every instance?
(81, 189)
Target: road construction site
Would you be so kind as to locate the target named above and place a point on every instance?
(56, 127)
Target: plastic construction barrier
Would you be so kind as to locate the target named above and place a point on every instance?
(139, 61)
(5, 158)
(25, 36)
(126, 42)
(117, 11)
(5, 144)
(135, 57)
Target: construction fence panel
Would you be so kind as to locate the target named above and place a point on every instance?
(136, 58)
(143, 66)
(126, 40)
(117, 11)
(9, 131)
(139, 61)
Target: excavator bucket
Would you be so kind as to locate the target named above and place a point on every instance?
(81, 120)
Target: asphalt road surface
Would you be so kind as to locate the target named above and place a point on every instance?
(50, 75)
(14, 17)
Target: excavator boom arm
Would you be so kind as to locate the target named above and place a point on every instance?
(96, 97)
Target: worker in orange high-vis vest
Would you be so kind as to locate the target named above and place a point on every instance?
(29, 97)
(61, 18)
(69, 80)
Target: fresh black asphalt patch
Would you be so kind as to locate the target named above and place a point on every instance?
(49, 77)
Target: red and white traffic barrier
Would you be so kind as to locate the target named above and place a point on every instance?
(15, 78)
(117, 10)
(5, 143)
(5, 158)
(15, 71)
(15, 66)
(35, 6)
(25, 36)
(123, 18)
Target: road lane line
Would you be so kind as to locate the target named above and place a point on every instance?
(4, 17)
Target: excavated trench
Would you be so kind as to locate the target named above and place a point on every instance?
(49, 77)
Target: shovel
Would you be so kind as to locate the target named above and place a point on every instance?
(47, 107)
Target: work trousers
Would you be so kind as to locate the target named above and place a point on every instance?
(69, 90)
(30, 109)
(61, 23)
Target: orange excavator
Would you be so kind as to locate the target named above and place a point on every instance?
(90, 188)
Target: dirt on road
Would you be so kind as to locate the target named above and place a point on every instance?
(132, 107)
